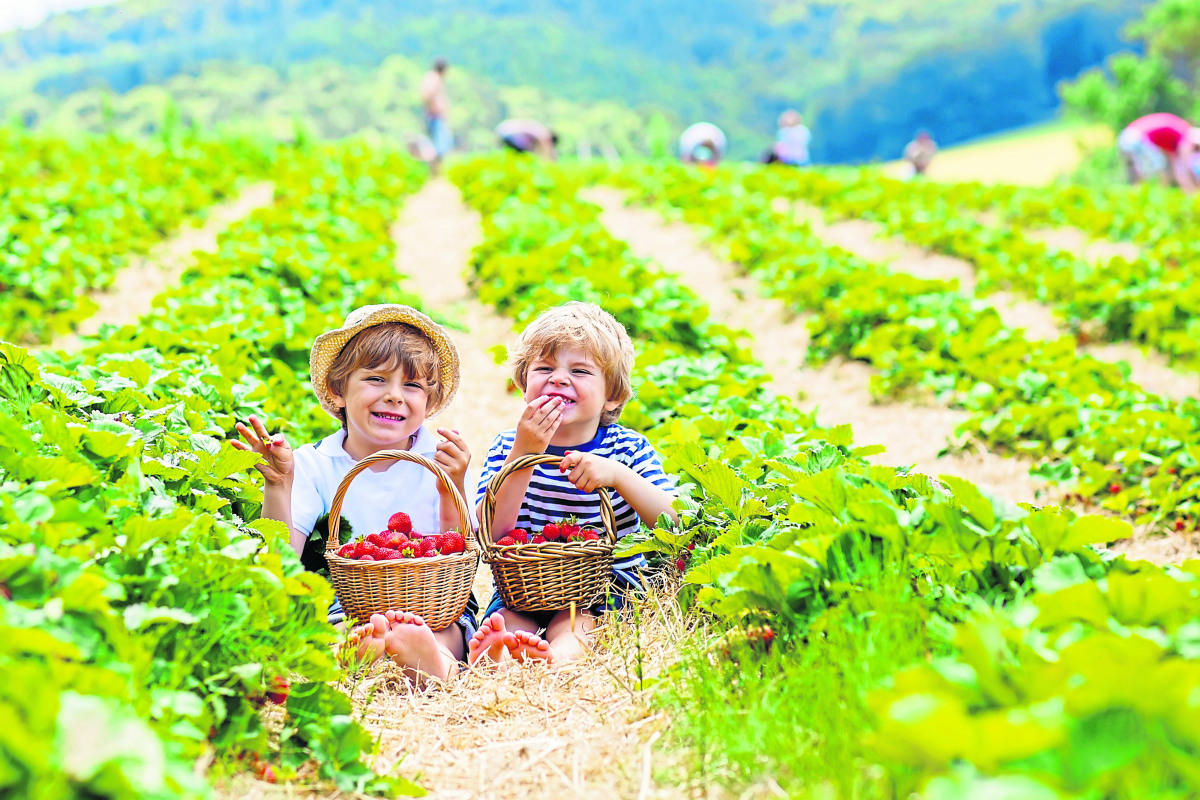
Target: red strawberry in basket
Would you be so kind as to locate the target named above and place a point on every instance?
(429, 547)
(519, 535)
(506, 541)
(349, 550)
(552, 532)
(451, 542)
(400, 523)
(590, 535)
(388, 553)
(410, 550)
(571, 532)
(379, 539)
(394, 540)
(538, 539)
(366, 558)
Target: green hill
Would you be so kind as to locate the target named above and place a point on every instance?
(866, 73)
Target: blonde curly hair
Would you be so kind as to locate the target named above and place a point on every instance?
(591, 329)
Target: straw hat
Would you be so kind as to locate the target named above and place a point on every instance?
(328, 345)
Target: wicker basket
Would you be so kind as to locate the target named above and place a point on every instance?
(552, 575)
(435, 588)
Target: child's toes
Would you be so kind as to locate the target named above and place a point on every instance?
(379, 624)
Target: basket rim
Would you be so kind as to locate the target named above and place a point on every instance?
(483, 534)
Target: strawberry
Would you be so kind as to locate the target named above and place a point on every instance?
(519, 535)
(680, 564)
(349, 550)
(538, 539)
(395, 540)
(507, 541)
(1180, 524)
(379, 539)
(279, 691)
(552, 532)
(368, 549)
(390, 553)
(451, 542)
(429, 547)
(366, 558)
(410, 550)
(571, 532)
(590, 535)
(1114, 489)
(400, 523)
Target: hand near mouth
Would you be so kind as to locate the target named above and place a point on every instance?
(538, 424)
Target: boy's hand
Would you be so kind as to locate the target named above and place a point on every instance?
(538, 425)
(453, 456)
(277, 463)
(589, 471)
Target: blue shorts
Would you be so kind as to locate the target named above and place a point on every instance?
(440, 135)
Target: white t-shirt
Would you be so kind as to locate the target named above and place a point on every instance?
(373, 496)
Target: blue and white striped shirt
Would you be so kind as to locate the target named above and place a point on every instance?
(552, 497)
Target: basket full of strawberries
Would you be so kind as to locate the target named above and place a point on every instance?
(429, 575)
(562, 565)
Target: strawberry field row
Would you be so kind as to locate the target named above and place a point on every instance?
(145, 608)
(73, 214)
(1131, 452)
(1153, 299)
(794, 528)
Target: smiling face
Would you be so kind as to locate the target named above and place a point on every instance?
(573, 375)
(383, 408)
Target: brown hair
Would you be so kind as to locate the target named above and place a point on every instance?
(591, 329)
(391, 346)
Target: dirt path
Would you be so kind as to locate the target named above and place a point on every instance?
(865, 239)
(134, 288)
(434, 239)
(579, 730)
(913, 434)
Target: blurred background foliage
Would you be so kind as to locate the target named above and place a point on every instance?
(613, 78)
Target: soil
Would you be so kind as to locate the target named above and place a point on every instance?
(913, 433)
(866, 240)
(135, 287)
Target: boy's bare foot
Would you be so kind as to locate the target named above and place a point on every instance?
(531, 647)
(491, 640)
(368, 640)
(407, 640)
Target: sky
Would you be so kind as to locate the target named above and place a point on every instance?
(23, 13)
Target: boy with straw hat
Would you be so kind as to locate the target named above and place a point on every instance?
(380, 374)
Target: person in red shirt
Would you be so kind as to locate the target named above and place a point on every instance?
(1178, 140)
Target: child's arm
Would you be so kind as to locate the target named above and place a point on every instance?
(278, 469)
(589, 471)
(454, 457)
(535, 429)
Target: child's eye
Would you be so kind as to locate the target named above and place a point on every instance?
(582, 371)
(413, 385)
(541, 369)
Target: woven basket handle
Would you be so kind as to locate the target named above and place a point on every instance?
(335, 508)
(484, 533)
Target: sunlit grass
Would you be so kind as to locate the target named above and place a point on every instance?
(795, 719)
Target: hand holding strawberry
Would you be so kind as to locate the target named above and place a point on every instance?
(277, 463)
(453, 456)
(538, 425)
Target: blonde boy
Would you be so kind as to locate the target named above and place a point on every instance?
(574, 366)
(381, 374)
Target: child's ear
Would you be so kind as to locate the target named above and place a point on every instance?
(610, 405)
